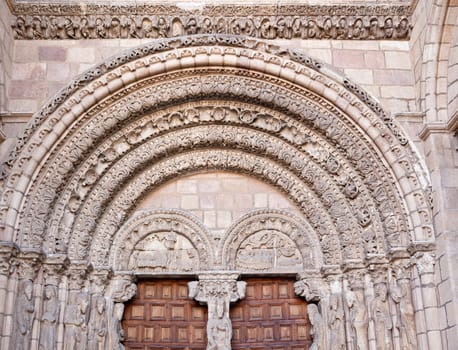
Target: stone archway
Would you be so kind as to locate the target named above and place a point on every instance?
(226, 103)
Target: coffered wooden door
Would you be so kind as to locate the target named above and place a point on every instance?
(270, 317)
(162, 317)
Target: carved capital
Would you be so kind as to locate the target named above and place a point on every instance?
(217, 288)
(311, 288)
(28, 263)
(100, 279)
(425, 262)
(53, 268)
(356, 279)
(7, 255)
(123, 287)
(77, 273)
(402, 269)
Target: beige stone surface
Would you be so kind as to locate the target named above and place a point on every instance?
(415, 81)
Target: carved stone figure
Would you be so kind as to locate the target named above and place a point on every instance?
(116, 331)
(402, 296)
(358, 318)
(336, 323)
(218, 290)
(219, 328)
(24, 315)
(268, 250)
(75, 320)
(98, 324)
(49, 319)
(165, 251)
(381, 317)
(317, 327)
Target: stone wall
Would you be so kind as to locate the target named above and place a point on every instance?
(218, 199)
(409, 78)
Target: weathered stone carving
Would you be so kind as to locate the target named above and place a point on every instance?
(165, 251)
(358, 318)
(218, 290)
(268, 251)
(380, 314)
(50, 318)
(116, 334)
(405, 315)
(98, 324)
(337, 210)
(75, 320)
(336, 322)
(269, 240)
(149, 21)
(24, 311)
(161, 240)
(317, 327)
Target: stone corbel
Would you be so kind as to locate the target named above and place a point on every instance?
(309, 287)
(218, 290)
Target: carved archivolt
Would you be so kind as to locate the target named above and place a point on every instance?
(161, 241)
(70, 189)
(267, 22)
(271, 241)
(227, 103)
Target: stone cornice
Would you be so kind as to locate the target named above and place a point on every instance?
(142, 20)
(451, 126)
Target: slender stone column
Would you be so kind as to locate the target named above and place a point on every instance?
(425, 264)
(218, 290)
(7, 252)
(53, 269)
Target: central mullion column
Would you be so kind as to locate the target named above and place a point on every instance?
(217, 289)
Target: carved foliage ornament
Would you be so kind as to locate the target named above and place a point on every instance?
(145, 50)
(176, 119)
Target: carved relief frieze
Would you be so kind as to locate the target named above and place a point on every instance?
(267, 22)
(164, 251)
(161, 241)
(270, 241)
(268, 251)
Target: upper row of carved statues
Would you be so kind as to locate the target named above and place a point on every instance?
(94, 26)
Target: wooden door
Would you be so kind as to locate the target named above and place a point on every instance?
(162, 317)
(270, 317)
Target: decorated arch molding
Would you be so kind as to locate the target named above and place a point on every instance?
(183, 105)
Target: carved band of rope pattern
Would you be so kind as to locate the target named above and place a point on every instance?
(95, 21)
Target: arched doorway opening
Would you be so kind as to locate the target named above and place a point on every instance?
(361, 229)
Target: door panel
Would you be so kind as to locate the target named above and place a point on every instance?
(270, 317)
(161, 316)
